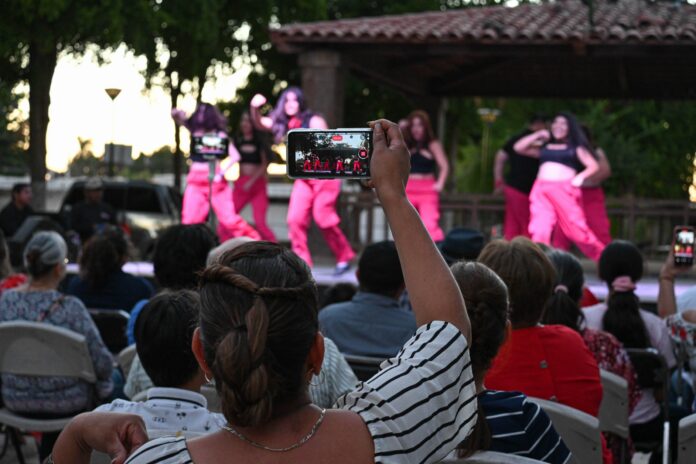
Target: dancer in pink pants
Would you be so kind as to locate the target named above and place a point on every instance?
(517, 182)
(252, 185)
(309, 198)
(565, 161)
(593, 203)
(423, 188)
(207, 119)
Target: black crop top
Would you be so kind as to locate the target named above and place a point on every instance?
(566, 156)
(249, 151)
(420, 164)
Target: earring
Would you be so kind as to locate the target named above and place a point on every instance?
(205, 376)
(322, 379)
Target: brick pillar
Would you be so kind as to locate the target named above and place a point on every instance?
(323, 84)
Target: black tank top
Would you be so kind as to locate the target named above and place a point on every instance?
(249, 151)
(565, 156)
(420, 164)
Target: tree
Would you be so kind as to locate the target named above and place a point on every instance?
(12, 134)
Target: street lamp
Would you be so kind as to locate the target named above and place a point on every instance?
(488, 117)
(112, 93)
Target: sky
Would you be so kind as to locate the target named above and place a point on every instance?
(80, 107)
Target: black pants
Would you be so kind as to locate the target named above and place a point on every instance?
(650, 431)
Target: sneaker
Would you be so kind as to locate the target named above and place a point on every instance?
(341, 268)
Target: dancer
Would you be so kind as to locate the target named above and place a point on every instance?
(207, 119)
(423, 189)
(517, 182)
(252, 185)
(593, 202)
(309, 197)
(565, 161)
(339, 166)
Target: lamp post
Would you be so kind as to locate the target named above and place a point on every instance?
(112, 93)
(488, 117)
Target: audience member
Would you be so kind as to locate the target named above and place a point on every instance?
(259, 339)
(337, 293)
(17, 210)
(92, 214)
(563, 308)
(180, 254)
(621, 266)
(163, 336)
(8, 278)
(102, 283)
(667, 302)
(215, 253)
(461, 243)
(372, 323)
(51, 397)
(508, 422)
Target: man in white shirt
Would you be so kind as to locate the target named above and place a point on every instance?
(163, 336)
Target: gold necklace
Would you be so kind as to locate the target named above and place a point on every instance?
(256, 444)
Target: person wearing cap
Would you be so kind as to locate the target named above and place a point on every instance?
(88, 215)
(372, 323)
(45, 257)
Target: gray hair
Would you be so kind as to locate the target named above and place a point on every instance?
(45, 250)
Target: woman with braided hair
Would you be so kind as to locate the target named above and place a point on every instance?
(259, 339)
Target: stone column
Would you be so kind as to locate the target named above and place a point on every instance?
(323, 84)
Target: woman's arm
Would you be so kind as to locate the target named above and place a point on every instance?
(591, 167)
(501, 158)
(261, 171)
(260, 122)
(528, 145)
(666, 298)
(442, 164)
(433, 292)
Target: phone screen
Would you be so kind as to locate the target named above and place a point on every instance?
(684, 246)
(328, 154)
(209, 146)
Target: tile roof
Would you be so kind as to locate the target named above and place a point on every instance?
(562, 21)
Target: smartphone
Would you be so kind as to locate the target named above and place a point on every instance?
(683, 247)
(329, 154)
(210, 146)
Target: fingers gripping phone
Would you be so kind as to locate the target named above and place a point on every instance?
(329, 154)
(683, 245)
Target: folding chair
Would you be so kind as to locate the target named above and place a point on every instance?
(492, 457)
(653, 373)
(364, 367)
(687, 440)
(112, 324)
(613, 412)
(42, 350)
(579, 430)
(125, 359)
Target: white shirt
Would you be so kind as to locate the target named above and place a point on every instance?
(171, 411)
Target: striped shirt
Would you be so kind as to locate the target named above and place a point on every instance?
(521, 427)
(418, 407)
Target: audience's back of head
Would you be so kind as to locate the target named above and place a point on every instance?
(258, 325)
(338, 293)
(43, 253)
(379, 269)
(180, 253)
(621, 266)
(564, 305)
(163, 333)
(528, 274)
(103, 255)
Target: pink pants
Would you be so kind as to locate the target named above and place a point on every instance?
(516, 213)
(595, 214)
(422, 194)
(316, 198)
(559, 204)
(257, 195)
(195, 206)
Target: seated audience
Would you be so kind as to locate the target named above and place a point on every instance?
(337, 293)
(259, 339)
(92, 214)
(102, 283)
(40, 301)
(461, 243)
(163, 336)
(549, 362)
(372, 323)
(17, 210)
(508, 422)
(215, 253)
(564, 308)
(621, 266)
(8, 278)
(180, 253)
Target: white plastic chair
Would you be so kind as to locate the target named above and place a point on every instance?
(687, 440)
(42, 350)
(492, 457)
(125, 359)
(579, 430)
(613, 412)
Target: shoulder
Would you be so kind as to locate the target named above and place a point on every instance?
(651, 318)
(334, 311)
(167, 450)
(74, 304)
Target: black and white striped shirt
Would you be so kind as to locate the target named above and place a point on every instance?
(418, 407)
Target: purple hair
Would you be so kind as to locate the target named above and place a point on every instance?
(278, 116)
(206, 118)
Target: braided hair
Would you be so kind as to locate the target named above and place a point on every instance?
(258, 323)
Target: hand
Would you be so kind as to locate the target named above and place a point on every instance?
(438, 187)
(543, 134)
(177, 113)
(258, 101)
(391, 163)
(669, 270)
(218, 178)
(248, 184)
(577, 181)
(499, 187)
